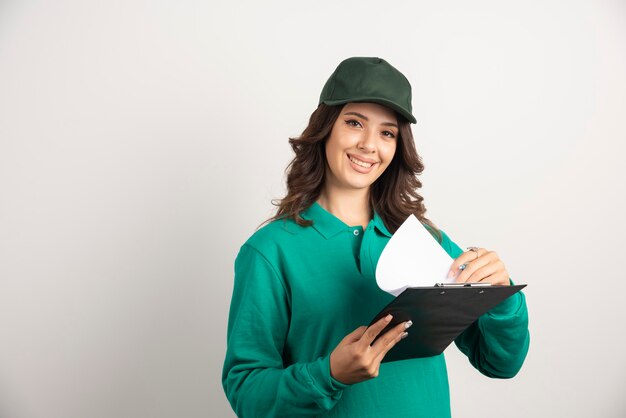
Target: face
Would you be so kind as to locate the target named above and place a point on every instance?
(361, 145)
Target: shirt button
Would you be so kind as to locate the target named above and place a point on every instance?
(356, 232)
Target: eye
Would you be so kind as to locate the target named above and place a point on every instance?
(353, 122)
(388, 134)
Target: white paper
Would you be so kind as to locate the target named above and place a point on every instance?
(412, 258)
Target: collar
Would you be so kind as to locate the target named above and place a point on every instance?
(329, 225)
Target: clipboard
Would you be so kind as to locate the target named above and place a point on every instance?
(440, 314)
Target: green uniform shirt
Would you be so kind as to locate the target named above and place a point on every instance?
(299, 290)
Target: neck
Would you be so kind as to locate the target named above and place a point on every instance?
(350, 206)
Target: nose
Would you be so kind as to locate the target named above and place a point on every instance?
(367, 142)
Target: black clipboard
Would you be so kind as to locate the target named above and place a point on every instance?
(439, 315)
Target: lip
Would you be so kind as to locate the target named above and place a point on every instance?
(358, 168)
(365, 160)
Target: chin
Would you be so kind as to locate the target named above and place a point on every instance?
(359, 184)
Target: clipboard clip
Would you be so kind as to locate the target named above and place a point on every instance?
(455, 284)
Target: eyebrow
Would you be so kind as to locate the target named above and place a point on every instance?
(366, 118)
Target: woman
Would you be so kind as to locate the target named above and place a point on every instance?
(304, 283)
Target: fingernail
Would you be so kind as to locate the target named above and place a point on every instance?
(450, 274)
(407, 324)
(388, 317)
(404, 334)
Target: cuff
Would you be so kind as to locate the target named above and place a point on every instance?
(319, 371)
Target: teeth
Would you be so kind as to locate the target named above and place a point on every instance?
(361, 163)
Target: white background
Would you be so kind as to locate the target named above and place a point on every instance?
(142, 141)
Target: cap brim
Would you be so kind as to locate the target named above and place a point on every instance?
(378, 100)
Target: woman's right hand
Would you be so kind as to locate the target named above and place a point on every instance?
(355, 360)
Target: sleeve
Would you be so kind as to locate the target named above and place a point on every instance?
(497, 343)
(255, 380)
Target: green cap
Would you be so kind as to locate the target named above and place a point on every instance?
(369, 79)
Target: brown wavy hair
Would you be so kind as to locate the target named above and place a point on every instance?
(394, 195)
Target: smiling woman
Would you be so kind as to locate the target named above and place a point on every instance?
(337, 132)
(304, 283)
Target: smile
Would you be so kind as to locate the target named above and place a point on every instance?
(359, 162)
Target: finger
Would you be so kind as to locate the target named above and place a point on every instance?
(389, 346)
(485, 271)
(370, 333)
(389, 337)
(478, 273)
(464, 258)
(470, 269)
(354, 335)
(500, 278)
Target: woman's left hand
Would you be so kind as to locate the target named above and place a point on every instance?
(481, 265)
